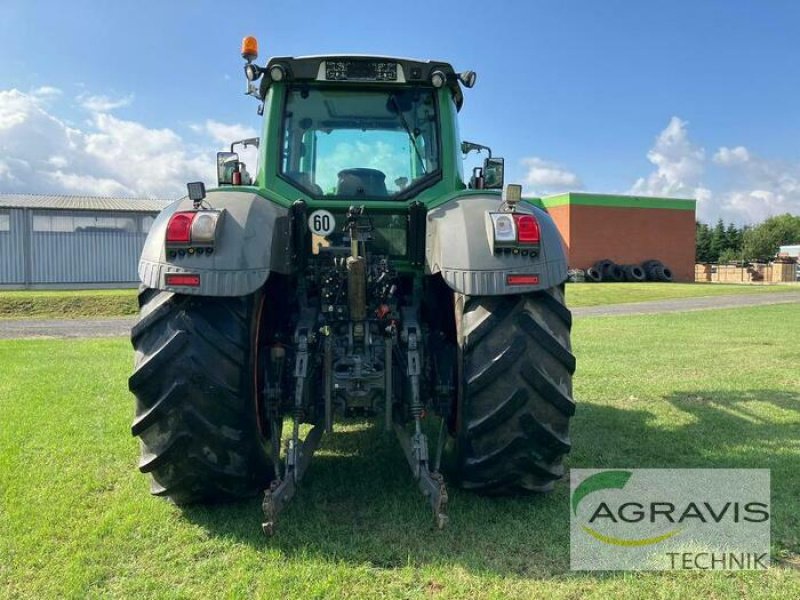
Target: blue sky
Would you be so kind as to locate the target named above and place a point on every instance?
(696, 99)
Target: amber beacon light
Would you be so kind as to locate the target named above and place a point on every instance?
(249, 48)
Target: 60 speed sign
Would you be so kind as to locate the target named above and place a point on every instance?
(321, 222)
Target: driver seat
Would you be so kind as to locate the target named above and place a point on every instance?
(361, 182)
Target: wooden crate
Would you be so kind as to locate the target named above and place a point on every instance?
(783, 272)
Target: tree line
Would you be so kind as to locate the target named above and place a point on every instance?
(752, 243)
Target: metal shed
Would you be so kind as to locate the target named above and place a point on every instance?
(72, 241)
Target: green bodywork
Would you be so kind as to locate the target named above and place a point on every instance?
(270, 186)
(453, 222)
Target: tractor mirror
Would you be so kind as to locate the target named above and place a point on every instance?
(493, 173)
(227, 164)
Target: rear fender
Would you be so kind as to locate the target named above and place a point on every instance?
(458, 247)
(253, 240)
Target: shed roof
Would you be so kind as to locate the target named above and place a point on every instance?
(56, 201)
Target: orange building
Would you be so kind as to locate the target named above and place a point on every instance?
(626, 229)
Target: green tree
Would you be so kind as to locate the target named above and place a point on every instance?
(762, 241)
(733, 238)
(717, 241)
(729, 255)
(702, 242)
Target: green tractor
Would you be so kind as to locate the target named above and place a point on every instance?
(357, 272)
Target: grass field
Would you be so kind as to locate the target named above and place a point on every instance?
(710, 389)
(596, 294)
(58, 304)
(64, 304)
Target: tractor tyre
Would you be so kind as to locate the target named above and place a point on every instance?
(510, 428)
(602, 265)
(615, 273)
(594, 275)
(650, 267)
(634, 273)
(197, 386)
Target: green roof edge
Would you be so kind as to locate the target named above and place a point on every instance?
(613, 200)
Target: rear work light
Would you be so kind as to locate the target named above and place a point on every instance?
(514, 232)
(505, 230)
(195, 227)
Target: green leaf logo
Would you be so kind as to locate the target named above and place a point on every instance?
(611, 480)
(597, 482)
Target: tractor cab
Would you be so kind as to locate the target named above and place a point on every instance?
(358, 128)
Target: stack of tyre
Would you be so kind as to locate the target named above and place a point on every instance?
(608, 270)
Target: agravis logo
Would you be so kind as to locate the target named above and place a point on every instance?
(610, 480)
(670, 518)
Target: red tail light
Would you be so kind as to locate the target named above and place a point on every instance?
(527, 229)
(522, 279)
(182, 279)
(179, 228)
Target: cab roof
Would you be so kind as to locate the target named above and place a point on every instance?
(360, 69)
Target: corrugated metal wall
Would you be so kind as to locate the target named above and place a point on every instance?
(85, 257)
(12, 257)
(29, 257)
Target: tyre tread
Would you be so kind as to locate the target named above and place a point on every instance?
(522, 355)
(195, 411)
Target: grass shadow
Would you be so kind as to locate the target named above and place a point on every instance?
(746, 429)
(359, 504)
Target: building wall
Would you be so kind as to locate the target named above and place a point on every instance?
(626, 230)
(12, 259)
(98, 257)
(53, 248)
(560, 215)
(633, 235)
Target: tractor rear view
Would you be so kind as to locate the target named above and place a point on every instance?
(357, 272)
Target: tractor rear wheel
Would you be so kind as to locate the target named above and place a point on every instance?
(197, 386)
(510, 430)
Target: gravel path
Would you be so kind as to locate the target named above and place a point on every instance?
(686, 304)
(66, 328)
(121, 326)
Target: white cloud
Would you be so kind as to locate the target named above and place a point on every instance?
(101, 103)
(545, 177)
(761, 188)
(99, 186)
(679, 164)
(747, 188)
(40, 153)
(731, 156)
(59, 162)
(5, 171)
(46, 91)
(224, 133)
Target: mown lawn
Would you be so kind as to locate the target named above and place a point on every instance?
(596, 294)
(67, 304)
(709, 389)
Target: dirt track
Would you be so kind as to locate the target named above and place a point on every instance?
(121, 326)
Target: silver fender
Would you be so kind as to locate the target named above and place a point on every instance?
(253, 240)
(458, 247)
